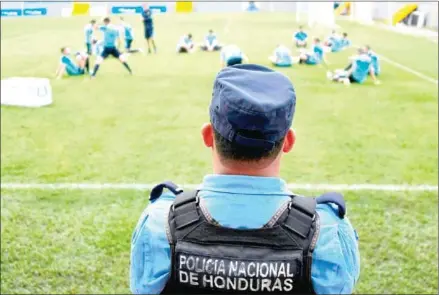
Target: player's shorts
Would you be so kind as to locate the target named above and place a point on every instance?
(215, 48)
(75, 72)
(311, 60)
(149, 32)
(128, 43)
(301, 43)
(113, 51)
(88, 48)
(282, 64)
(234, 61)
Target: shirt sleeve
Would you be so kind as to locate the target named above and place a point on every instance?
(336, 258)
(150, 252)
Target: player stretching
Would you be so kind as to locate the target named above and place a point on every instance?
(281, 57)
(316, 56)
(88, 32)
(111, 40)
(360, 67)
(128, 36)
(210, 42)
(300, 38)
(149, 28)
(69, 67)
(232, 55)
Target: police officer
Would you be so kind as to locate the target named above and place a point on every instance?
(242, 230)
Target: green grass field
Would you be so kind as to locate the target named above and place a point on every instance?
(145, 128)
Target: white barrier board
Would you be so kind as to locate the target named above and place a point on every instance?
(26, 92)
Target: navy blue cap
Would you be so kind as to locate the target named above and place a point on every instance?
(250, 99)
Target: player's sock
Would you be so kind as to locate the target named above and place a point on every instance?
(95, 70)
(133, 50)
(127, 66)
(87, 65)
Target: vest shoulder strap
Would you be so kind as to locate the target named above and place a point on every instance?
(335, 198)
(300, 215)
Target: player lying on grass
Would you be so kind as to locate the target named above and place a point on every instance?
(111, 42)
(281, 57)
(315, 56)
(357, 71)
(300, 37)
(210, 42)
(88, 32)
(232, 55)
(72, 68)
(128, 36)
(185, 44)
(339, 44)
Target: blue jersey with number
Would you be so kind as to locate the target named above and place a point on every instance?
(301, 36)
(111, 35)
(375, 62)
(88, 33)
(70, 66)
(362, 65)
(128, 31)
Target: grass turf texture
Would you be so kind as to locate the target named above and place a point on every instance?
(145, 129)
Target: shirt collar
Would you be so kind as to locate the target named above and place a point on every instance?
(243, 184)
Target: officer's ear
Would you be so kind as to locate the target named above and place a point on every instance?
(207, 134)
(289, 141)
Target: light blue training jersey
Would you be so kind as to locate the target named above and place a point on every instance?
(70, 66)
(231, 52)
(361, 67)
(244, 202)
(88, 33)
(283, 55)
(111, 35)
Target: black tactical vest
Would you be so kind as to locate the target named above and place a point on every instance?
(208, 258)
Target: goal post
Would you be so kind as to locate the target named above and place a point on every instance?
(361, 12)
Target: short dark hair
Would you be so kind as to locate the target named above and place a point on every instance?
(93, 21)
(231, 151)
(189, 35)
(106, 20)
(300, 27)
(367, 47)
(62, 49)
(345, 34)
(317, 40)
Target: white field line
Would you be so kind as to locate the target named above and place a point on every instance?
(407, 69)
(149, 186)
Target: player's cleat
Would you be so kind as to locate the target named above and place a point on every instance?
(329, 75)
(346, 82)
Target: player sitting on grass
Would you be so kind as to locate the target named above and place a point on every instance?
(111, 42)
(70, 67)
(316, 56)
(300, 38)
(375, 60)
(357, 71)
(281, 57)
(210, 42)
(128, 36)
(330, 39)
(339, 44)
(185, 44)
(232, 55)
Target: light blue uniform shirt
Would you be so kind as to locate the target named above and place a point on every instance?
(71, 67)
(283, 55)
(210, 38)
(88, 32)
(111, 34)
(231, 52)
(300, 36)
(316, 56)
(128, 32)
(361, 67)
(244, 202)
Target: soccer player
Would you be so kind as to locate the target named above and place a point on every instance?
(111, 42)
(128, 36)
(210, 42)
(358, 70)
(97, 47)
(88, 32)
(70, 67)
(232, 55)
(330, 39)
(149, 27)
(316, 56)
(185, 44)
(300, 38)
(340, 43)
(375, 60)
(281, 57)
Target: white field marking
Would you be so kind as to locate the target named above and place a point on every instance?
(407, 69)
(291, 186)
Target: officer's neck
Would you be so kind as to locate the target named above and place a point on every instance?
(261, 168)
